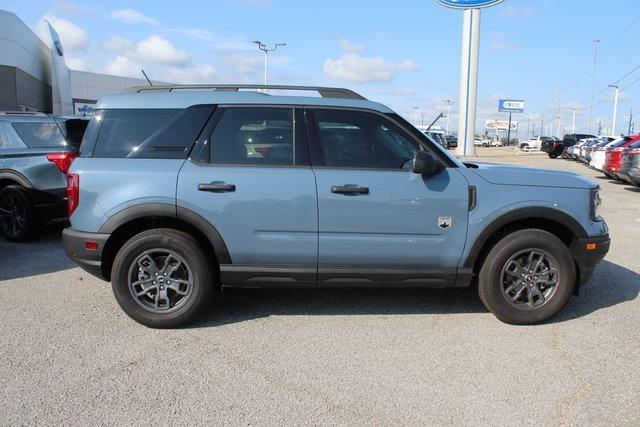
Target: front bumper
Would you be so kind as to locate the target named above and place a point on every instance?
(587, 259)
(75, 245)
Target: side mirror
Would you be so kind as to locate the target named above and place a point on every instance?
(425, 164)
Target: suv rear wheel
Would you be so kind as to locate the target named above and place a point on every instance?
(18, 218)
(162, 279)
(527, 277)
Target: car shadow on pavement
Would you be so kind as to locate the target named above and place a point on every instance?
(42, 255)
(240, 305)
(610, 285)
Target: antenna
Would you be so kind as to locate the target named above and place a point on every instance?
(146, 77)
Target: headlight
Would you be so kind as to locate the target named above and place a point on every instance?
(595, 203)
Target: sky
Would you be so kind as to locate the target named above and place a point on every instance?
(403, 53)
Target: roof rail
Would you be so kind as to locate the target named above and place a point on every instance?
(325, 92)
(21, 113)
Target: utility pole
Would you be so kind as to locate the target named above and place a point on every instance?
(593, 79)
(263, 47)
(558, 112)
(630, 130)
(615, 109)
(415, 114)
(573, 119)
(542, 129)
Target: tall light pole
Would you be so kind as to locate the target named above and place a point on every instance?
(263, 47)
(573, 119)
(449, 104)
(615, 109)
(415, 115)
(593, 79)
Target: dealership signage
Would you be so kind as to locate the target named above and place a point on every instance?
(511, 106)
(469, 4)
(492, 124)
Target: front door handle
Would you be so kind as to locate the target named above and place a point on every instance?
(217, 187)
(349, 189)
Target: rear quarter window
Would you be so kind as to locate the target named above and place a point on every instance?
(144, 133)
(40, 135)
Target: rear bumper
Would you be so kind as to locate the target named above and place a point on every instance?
(74, 243)
(588, 259)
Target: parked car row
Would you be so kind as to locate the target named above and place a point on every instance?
(617, 158)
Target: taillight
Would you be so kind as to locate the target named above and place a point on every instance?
(73, 192)
(62, 160)
(555, 144)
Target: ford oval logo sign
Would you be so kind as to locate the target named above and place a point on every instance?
(58, 46)
(469, 4)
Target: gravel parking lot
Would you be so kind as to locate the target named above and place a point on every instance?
(71, 356)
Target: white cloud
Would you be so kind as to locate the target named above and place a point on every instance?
(117, 44)
(71, 35)
(123, 66)
(153, 49)
(196, 73)
(517, 12)
(242, 63)
(77, 64)
(158, 50)
(354, 66)
(132, 16)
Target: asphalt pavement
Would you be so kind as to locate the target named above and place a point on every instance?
(69, 355)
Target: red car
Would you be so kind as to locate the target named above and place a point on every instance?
(613, 159)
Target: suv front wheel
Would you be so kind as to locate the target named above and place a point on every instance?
(162, 279)
(527, 277)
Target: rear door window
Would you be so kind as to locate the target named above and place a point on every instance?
(254, 136)
(146, 133)
(40, 135)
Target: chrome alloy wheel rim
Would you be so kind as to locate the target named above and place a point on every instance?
(529, 279)
(160, 280)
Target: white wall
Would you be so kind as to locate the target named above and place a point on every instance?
(21, 48)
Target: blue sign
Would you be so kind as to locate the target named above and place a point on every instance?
(511, 106)
(469, 4)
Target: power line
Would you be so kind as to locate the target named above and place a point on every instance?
(604, 56)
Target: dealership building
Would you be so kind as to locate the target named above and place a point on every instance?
(30, 80)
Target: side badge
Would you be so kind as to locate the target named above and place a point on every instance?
(445, 222)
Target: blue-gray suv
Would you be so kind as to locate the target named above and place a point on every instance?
(180, 191)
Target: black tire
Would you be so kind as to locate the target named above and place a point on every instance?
(553, 155)
(492, 288)
(19, 221)
(194, 264)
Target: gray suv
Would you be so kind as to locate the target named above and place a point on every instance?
(182, 190)
(36, 151)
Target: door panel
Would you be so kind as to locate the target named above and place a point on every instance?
(270, 218)
(395, 225)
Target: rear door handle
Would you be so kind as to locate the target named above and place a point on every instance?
(217, 187)
(349, 189)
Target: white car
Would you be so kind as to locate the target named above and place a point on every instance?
(481, 143)
(599, 155)
(535, 142)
